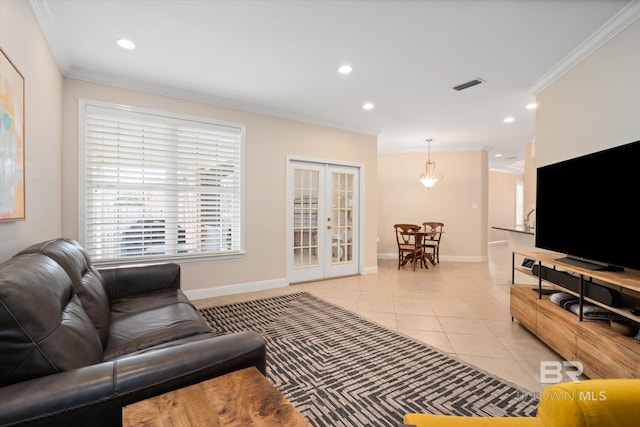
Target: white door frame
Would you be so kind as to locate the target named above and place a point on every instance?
(289, 216)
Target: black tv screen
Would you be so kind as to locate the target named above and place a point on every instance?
(586, 208)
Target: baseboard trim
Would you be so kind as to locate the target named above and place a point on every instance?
(370, 270)
(263, 285)
(240, 288)
(236, 289)
(443, 258)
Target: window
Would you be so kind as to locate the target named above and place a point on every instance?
(519, 203)
(157, 185)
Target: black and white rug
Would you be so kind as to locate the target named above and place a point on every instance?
(339, 369)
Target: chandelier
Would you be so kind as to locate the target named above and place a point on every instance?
(429, 178)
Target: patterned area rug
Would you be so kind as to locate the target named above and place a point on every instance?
(340, 369)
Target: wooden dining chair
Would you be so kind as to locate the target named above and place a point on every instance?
(431, 242)
(409, 247)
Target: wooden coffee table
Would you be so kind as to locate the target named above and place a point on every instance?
(241, 398)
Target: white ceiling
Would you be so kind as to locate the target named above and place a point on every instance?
(280, 57)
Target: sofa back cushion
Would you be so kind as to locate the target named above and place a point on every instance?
(43, 326)
(87, 282)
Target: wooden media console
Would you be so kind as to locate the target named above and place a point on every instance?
(603, 352)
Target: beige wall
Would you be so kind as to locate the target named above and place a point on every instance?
(502, 203)
(596, 105)
(268, 141)
(403, 199)
(530, 179)
(23, 42)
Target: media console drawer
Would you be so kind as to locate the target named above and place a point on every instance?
(607, 354)
(523, 306)
(558, 328)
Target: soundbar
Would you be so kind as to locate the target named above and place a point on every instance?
(592, 290)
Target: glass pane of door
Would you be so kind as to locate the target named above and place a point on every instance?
(342, 197)
(342, 218)
(306, 190)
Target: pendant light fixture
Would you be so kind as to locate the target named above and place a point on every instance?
(429, 178)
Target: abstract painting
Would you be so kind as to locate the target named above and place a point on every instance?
(12, 193)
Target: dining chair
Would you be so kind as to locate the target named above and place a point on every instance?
(431, 242)
(409, 248)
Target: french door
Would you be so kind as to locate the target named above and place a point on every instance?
(322, 220)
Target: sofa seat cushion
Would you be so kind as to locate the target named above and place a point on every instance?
(132, 304)
(41, 320)
(143, 321)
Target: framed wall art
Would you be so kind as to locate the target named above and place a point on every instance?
(12, 192)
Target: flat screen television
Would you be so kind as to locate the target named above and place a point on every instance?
(586, 208)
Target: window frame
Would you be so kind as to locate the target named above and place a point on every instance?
(82, 165)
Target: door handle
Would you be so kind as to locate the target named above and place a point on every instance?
(329, 227)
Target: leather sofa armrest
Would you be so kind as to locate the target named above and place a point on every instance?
(131, 280)
(94, 395)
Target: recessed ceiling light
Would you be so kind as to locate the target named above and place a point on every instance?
(509, 120)
(531, 106)
(345, 69)
(367, 106)
(126, 44)
(497, 155)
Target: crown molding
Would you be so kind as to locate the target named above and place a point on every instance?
(168, 91)
(610, 29)
(47, 24)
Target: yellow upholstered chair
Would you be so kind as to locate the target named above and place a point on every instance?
(429, 420)
(590, 403)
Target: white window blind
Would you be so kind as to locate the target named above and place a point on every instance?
(159, 186)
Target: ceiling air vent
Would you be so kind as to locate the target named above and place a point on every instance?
(468, 84)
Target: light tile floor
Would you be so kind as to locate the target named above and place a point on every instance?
(460, 308)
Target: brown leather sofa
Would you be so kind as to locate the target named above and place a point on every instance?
(76, 345)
